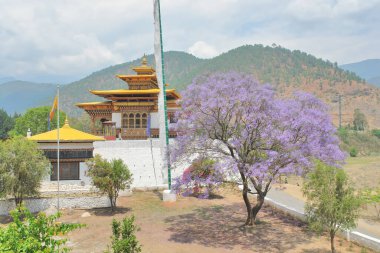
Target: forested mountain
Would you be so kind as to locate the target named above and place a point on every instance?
(17, 96)
(368, 69)
(286, 70)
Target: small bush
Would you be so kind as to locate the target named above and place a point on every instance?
(353, 152)
(29, 233)
(110, 177)
(124, 239)
(376, 132)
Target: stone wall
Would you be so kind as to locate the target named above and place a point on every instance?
(40, 204)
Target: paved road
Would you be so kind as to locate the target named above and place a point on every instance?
(293, 203)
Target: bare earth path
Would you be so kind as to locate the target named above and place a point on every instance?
(191, 225)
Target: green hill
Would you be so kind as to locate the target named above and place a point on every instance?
(287, 70)
(282, 67)
(17, 96)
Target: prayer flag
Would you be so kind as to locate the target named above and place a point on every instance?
(52, 111)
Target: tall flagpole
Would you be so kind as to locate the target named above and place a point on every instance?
(162, 107)
(58, 171)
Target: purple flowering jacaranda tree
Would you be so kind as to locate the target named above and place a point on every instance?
(254, 135)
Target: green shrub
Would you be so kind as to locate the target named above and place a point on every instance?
(124, 239)
(366, 143)
(110, 177)
(376, 132)
(28, 233)
(353, 152)
(343, 134)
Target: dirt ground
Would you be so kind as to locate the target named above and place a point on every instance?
(192, 225)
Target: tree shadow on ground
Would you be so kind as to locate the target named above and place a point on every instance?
(222, 226)
(316, 251)
(108, 212)
(158, 194)
(5, 219)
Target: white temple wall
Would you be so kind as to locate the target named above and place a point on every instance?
(154, 120)
(83, 184)
(116, 117)
(137, 154)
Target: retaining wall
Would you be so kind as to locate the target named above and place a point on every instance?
(40, 204)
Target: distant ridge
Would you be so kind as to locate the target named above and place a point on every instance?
(17, 96)
(367, 69)
(5, 79)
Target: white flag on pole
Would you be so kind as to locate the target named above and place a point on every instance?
(161, 106)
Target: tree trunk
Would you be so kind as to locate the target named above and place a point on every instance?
(249, 221)
(257, 207)
(332, 235)
(112, 202)
(18, 201)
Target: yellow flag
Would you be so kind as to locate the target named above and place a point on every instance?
(53, 108)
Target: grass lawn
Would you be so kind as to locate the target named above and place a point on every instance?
(192, 225)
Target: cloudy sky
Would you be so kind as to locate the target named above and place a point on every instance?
(64, 40)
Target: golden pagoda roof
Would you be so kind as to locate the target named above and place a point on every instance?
(144, 68)
(133, 92)
(105, 104)
(66, 134)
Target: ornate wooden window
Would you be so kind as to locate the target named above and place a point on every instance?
(144, 120)
(138, 120)
(124, 122)
(131, 120)
(135, 120)
(67, 171)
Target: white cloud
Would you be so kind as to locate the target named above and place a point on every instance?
(46, 39)
(203, 50)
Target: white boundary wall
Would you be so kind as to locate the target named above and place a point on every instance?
(40, 204)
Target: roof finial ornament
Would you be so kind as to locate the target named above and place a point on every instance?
(67, 121)
(144, 61)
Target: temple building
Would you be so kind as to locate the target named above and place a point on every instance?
(75, 148)
(131, 113)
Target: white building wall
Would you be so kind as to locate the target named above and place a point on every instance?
(137, 154)
(116, 117)
(143, 158)
(154, 123)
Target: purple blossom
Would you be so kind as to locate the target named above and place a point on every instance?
(252, 133)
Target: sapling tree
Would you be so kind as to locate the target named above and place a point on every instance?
(254, 135)
(123, 236)
(110, 177)
(22, 168)
(331, 200)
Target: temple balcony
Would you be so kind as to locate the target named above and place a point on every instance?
(131, 134)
